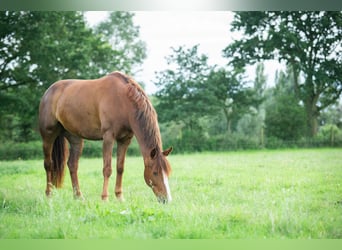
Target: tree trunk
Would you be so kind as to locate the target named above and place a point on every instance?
(295, 73)
(313, 125)
(262, 136)
(312, 114)
(312, 111)
(228, 121)
(332, 136)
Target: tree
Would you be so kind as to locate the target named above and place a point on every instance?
(229, 94)
(39, 48)
(36, 49)
(260, 80)
(253, 123)
(285, 117)
(308, 41)
(182, 93)
(128, 50)
(332, 115)
(191, 89)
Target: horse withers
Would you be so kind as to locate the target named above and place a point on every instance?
(111, 108)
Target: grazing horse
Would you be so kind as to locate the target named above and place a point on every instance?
(111, 108)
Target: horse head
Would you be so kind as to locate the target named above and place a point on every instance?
(156, 174)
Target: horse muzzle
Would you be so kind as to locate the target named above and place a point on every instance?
(164, 199)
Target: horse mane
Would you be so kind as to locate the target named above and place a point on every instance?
(145, 114)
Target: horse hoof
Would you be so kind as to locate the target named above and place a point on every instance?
(79, 197)
(120, 199)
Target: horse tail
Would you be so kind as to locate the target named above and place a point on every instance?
(59, 155)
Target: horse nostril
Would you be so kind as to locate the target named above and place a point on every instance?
(162, 200)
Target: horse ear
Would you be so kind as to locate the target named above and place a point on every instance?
(167, 151)
(153, 153)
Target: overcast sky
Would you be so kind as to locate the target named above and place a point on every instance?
(162, 30)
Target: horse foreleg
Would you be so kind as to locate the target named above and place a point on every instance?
(120, 162)
(107, 149)
(76, 147)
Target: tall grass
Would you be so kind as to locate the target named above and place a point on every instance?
(258, 194)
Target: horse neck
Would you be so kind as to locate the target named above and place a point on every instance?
(143, 119)
(148, 137)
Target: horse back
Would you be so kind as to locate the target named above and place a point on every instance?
(87, 108)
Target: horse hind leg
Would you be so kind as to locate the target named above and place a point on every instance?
(76, 148)
(54, 149)
(47, 149)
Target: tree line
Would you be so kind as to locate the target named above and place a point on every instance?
(220, 110)
(216, 108)
(200, 106)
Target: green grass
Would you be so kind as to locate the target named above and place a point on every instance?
(254, 194)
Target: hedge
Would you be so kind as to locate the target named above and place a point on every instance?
(188, 144)
(33, 150)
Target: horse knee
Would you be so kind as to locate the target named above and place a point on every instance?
(107, 171)
(119, 170)
(72, 165)
(47, 165)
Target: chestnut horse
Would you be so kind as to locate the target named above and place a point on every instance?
(111, 108)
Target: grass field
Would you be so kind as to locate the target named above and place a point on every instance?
(254, 194)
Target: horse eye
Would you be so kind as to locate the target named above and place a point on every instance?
(155, 173)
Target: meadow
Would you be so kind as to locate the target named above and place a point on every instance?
(277, 194)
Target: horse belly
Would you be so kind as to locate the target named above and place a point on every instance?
(80, 120)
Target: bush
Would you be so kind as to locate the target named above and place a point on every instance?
(274, 143)
(24, 151)
(234, 142)
(330, 135)
(33, 150)
(285, 118)
(93, 149)
(192, 142)
(189, 142)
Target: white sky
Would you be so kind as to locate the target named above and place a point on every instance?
(162, 30)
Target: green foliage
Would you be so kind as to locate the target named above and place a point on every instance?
(285, 117)
(94, 149)
(34, 150)
(200, 107)
(284, 194)
(308, 41)
(38, 48)
(193, 97)
(190, 141)
(330, 134)
(230, 95)
(46, 46)
(183, 85)
(332, 115)
(24, 150)
(123, 36)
